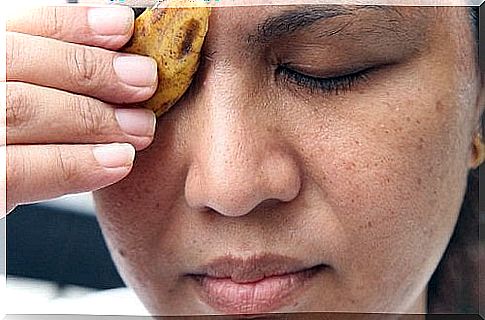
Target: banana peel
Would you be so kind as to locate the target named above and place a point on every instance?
(174, 38)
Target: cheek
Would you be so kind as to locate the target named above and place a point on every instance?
(393, 172)
(133, 213)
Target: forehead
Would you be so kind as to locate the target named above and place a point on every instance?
(289, 17)
(254, 29)
(250, 28)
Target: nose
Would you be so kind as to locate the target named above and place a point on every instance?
(239, 159)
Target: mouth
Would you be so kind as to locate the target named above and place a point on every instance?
(259, 284)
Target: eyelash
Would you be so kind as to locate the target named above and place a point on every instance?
(332, 85)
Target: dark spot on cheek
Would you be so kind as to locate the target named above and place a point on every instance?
(439, 106)
(350, 165)
(421, 143)
(121, 253)
(419, 181)
(369, 224)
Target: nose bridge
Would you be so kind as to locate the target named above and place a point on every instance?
(231, 133)
(232, 144)
(233, 163)
(229, 154)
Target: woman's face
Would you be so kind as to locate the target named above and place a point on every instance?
(317, 163)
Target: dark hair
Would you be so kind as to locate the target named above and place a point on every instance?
(454, 286)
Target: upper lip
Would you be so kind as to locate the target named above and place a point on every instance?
(251, 269)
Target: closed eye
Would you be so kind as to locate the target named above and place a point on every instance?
(330, 85)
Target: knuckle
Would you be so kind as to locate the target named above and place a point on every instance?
(19, 109)
(52, 22)
(17, 168)
(13, 54)
(10, 52)
(67, 167)
(85, 69)
(13, 168)
(93, 118)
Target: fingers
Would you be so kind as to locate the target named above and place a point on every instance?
(64, 169)
(38, 115)
(108, 27)
(109, 76)
(61, 81)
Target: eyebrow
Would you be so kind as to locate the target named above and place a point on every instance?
(304, 16)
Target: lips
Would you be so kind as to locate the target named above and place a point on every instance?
(253, 285)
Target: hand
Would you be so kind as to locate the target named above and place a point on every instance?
(67, 131)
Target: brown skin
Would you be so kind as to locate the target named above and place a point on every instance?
(369, 181)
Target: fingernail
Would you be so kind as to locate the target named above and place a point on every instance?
(116, 20)
(114, 155)
(138, 122)
(135, 70)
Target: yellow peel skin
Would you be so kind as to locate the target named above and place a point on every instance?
(174, 38)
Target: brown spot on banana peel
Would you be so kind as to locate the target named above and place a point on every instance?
(193, 27)
(174, 38)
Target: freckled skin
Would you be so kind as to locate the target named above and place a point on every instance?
(369, 182)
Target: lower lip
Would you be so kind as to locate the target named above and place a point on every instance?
(265, 295)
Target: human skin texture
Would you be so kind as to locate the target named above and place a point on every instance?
(366, 180)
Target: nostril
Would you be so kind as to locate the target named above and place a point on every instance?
(239, 209)
(270, 203)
